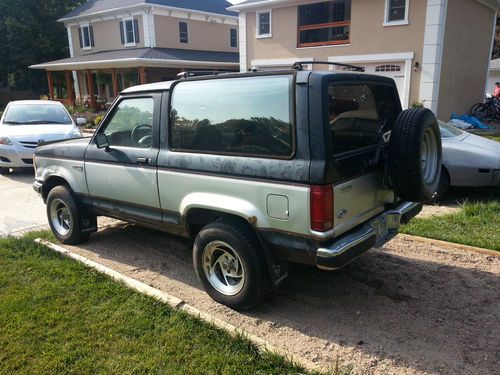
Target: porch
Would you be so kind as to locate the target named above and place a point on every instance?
(94, 80)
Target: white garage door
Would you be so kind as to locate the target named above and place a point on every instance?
(394, 70)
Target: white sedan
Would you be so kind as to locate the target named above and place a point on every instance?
(27, 123)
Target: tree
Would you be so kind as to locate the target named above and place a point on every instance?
(31, 35)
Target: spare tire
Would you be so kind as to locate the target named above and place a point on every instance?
(414, 164)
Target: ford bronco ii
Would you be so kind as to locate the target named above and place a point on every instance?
(259, 168)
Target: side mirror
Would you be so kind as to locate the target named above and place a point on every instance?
(80, 121)
(101, 141)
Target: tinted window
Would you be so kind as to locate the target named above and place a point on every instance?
(359, 115)
(131, 123)
(243, 116)
(36, 114)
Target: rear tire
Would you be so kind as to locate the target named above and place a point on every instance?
(229, 263)
(65, 216)
(415, 155)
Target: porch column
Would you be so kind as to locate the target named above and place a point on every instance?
(51, 85)
(69, 86)
(142, 76)
(115, 82)
(90, 86)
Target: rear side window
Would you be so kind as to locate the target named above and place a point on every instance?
(359, 114)
(240, 116)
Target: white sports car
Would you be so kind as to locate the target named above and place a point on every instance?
(468, 160)
(27, 123)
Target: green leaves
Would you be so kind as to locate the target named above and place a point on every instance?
(30, 34)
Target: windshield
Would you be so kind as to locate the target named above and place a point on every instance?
(33, 114)
(449, 131)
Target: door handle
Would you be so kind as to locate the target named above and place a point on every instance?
(143, 161)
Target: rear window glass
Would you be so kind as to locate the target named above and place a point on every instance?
(359, 114)
(240, 116)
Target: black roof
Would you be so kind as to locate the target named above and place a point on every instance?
(208, 6)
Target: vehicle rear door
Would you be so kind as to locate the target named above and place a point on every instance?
(361, 115)
(121, 178)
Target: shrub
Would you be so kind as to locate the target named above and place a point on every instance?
(98, 120)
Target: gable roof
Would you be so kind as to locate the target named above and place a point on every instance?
(98, 6)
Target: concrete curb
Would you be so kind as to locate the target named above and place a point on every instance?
(178, 304)
(432, 241)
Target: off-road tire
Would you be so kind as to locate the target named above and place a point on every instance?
(243, 241)
(414, 132)
(58, 196)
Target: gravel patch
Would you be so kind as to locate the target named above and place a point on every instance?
(409, 308)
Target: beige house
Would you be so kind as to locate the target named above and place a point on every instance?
(437, 51)
(115, 44)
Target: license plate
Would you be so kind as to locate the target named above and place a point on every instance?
(380, 227)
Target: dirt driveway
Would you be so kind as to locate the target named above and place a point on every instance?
(410, 308)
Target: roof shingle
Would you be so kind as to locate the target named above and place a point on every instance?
(208, 6)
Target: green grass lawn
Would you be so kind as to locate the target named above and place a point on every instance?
(495, 138)
(59, 317)
(477, 224)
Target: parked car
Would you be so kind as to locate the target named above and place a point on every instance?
(260, 169)
(27, 123)
(468, 160)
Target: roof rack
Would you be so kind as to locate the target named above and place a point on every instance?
(299, 65)
(197, 73)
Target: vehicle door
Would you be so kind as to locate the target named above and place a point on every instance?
(361, 116)
(121, 178)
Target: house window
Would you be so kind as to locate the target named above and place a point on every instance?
(183, 32)
(86, 36)
(388, 68)
(264, 24)
(396, 12)
(326, 23)
(129, 31)
(234, 37)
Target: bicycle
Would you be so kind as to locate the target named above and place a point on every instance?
(487, 111)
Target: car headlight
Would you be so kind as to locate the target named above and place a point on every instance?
(5, 141)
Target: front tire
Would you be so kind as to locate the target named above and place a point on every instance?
(65, 216)
(229, 263)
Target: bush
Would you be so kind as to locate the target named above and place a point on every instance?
(98, 120)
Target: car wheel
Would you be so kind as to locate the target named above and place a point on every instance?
(65, 216)
(229, 263)
(415, 155)
(4, 170)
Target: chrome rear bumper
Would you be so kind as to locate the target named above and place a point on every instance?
(374, 233)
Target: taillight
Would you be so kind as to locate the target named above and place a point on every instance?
(321, 208)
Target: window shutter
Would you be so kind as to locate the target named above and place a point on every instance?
(122, 33)
(136, 30)
(80, 37)
(91, 32)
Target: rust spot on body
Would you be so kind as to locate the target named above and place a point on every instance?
(252, 220)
